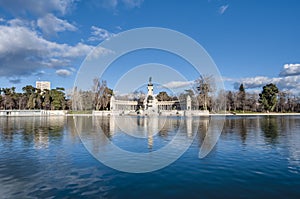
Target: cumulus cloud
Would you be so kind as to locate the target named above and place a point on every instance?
(63, 72)
(24, 50)
(178, 84)
(288, 83)
(37, 8)
(15, 81)
(99, 34)
(288, 79)
(50, 25)
(228, 79)
(223, 9)
(253, 82)
(290, 70)
(97, 52)
(113, 4)
(110, 3)
(28, 52)
(40, 73)
(132, 3)
(291, 83)
(18, 22)
(55, 62)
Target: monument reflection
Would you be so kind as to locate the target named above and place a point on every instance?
(151, 133)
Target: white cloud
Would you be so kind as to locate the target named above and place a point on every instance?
(55, 62)
(72, 69)
(97, 52)
(223, 9)
(63, 72)
(23, 52)
(132, 3)
(119, 28)
(113, 4)
(110, 4)
(228, 79)
(177, 84)
(15, 81)
(289, 79)
(99, 34)
(67, 51)
(37, 8)
(17, 22)
(27, 40)
(290, 70)
(291, 83)
(253, 82)
(288, 83)
(50, 25)
(40, 73)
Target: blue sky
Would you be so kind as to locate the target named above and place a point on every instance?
(251, 42)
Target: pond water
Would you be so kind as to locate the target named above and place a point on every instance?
(44, 157)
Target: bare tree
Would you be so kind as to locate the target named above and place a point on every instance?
(102, 94)
(205, 85)
(230, 101)
(219, 102)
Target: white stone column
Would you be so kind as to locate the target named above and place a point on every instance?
(188, 103)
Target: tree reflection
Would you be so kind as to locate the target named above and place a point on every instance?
(33, 130)
(270, 128)
(238, 125)
(243, 129)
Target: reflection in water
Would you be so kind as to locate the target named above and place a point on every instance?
(36, 130)
(274, 130)
(43, 158)
(241, 125)
(270, 128)
(149, 128)
(154, 141)
(243, 130)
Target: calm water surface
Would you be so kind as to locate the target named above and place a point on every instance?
(257, 156)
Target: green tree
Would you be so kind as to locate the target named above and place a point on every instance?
(58, 99)
(241, 97)
(31, 101)
(28, 90)
(9, 98)
(268, 97)
(163, 96)
(46, 104)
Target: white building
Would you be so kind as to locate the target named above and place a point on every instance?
(42, 85)
(151, 106)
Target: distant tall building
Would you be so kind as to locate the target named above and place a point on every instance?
(42, 85)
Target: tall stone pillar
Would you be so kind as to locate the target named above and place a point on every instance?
(188, 103)
(112, 103)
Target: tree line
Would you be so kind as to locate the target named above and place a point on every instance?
(98, 98)
(33, 98)
(203, 95)
(270, 99)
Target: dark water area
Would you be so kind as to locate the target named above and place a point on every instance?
(44, 157)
